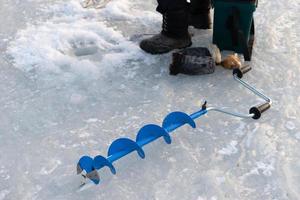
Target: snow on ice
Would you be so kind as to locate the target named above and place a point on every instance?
(72, 80)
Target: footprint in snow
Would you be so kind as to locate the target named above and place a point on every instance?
(290, 125)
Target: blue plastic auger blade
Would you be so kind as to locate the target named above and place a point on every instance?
(177, 119)
(85, 163)
(151, 132)
(123, 146)
(100, 161)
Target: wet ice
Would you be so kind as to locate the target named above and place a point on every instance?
(72, 80)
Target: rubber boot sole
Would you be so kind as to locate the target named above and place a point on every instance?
(162, 51)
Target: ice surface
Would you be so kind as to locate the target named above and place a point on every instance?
(72, 80)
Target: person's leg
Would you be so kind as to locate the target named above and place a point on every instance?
(170, 5)
(200, 14)
(174, 34)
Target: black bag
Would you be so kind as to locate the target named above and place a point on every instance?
(192, 61)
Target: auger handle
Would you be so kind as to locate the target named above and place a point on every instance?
(255, 111)
(259, 110)
(239, 72)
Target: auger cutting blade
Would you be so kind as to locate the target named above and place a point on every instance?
(86, 163)
(94, 176)
(79, 169)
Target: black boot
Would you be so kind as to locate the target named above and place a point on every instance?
(200, 16)
(174, 34)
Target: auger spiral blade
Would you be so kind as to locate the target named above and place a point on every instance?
(176, 119)
(122, 147)
(150, 133)
(85, 163)
(100, 162)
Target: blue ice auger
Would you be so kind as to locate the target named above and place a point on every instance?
(88, 167)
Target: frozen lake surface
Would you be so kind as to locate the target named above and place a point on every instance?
(72, 80)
